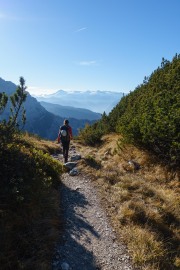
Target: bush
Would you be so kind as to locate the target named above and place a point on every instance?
(150, 115)
(27, 178)
(90, 135)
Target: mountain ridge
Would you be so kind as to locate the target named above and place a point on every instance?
(39, 121)
(69, 111)
(97, 101)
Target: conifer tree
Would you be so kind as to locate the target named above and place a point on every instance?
(17, 100)
(3, 101)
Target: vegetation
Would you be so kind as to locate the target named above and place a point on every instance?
(92, 134)
(16, 109)
(3, 101)
(28, 198)
(142, 201)
(149, 116)
(91, 161)
(139, 172)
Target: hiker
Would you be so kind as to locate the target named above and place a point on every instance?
(64, 137)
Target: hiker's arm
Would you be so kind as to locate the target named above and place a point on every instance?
(59, 137)
(70, 133)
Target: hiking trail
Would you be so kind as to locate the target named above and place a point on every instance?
(88, 241)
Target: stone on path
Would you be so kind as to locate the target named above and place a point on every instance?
(70, 165)
(74, 172)
(75, 157)
(65, 266)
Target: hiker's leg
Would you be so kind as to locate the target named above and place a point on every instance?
(66, 152)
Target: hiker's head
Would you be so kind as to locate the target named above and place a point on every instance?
(66, 122)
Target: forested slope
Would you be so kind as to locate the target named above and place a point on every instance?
(150, 115)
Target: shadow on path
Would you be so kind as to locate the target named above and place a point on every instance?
(76, 231)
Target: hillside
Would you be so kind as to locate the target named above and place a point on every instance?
(149, 116)
(39, 121)
(29, 208)
(141, 197)
(70, 112)
(137, 167)
(96, 101)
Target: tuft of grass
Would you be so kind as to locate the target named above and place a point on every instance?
(36, 142)
(144, 247)
(177, 262)
(91, 161)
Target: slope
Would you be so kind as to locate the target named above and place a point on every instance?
(39, 120)
(70, 112)
(29, 207)
(96, 101)
(141, 197)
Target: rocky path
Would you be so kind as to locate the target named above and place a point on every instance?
(88, 242)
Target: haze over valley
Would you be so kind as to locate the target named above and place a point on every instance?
(44, 115)
(97, 101)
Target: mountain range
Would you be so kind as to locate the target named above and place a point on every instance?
(69, 111)
(46, 113)
(96, 101)
(39, 120)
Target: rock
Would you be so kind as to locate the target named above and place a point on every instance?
(65, 266)
(134, 165)
(70, 165)
(77, 188)
(75, 157)
(74, 172)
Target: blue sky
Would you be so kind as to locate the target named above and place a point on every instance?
(86, 44)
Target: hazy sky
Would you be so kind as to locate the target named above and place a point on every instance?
(86, 44)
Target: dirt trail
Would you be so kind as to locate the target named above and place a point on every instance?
(88, 241)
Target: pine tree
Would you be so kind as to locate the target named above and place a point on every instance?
(3, 101)
(17, 100)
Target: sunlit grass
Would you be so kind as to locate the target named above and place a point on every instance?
(144, 247)
(143, 204)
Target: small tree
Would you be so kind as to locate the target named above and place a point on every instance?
(3, 101)
(8, 127)
(17, 100)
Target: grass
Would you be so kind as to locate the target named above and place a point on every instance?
(143, 202)
(91, 161)
(29, 210)
(146, 250)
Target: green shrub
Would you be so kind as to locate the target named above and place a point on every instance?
(150, 115)
(27, 179)
(90, 135)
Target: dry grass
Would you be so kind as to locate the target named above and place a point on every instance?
(143, 201)
(144, 247)
(41, 144)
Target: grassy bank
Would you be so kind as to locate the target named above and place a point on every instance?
(141, 196)
(29, 203)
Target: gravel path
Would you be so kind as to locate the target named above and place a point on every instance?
(89, 241)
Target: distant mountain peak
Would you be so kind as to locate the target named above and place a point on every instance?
(96, 101)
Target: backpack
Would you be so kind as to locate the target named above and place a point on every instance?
(64, 133)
